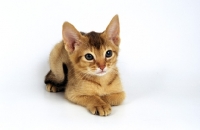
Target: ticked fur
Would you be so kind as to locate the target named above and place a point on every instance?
(94, 82)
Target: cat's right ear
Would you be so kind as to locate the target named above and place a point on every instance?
(113, 30)
(71, 37)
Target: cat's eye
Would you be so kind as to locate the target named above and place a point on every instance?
(89, 56)
(108, 53)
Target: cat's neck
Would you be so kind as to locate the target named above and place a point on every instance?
(99, 79)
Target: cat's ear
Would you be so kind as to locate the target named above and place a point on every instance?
(113, 30)
(71, 37)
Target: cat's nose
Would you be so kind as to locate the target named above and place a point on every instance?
(101, 64)
(102, 67)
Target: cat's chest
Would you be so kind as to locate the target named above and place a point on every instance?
(107, 86)
(93, 86)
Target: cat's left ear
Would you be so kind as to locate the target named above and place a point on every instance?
(71, 37)
(113, 30)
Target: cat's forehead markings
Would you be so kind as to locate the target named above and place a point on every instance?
(95, 39)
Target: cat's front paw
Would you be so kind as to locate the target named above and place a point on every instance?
(102, 110)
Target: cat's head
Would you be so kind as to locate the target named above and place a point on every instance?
(93, 53)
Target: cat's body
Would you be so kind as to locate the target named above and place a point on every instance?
(84, 64)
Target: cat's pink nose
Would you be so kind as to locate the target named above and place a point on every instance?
(102, 67)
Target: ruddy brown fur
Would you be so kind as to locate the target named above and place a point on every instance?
(93, 83)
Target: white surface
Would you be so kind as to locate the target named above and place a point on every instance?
(159, 64)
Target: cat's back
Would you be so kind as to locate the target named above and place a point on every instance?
(59, 53)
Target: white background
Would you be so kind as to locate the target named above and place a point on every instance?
(159, 64)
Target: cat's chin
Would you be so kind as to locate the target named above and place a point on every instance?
(101, 73)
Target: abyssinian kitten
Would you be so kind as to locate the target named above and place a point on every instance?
(84, 66)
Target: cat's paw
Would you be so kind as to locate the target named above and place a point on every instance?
(54, 89)
(102, 110)
(50, 88)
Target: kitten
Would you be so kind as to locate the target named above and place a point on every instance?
(84, 66)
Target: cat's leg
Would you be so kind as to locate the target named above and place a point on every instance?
(93, 103)
(56, 79)
(114, 99)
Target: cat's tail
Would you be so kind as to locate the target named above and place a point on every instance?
(55, 86)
